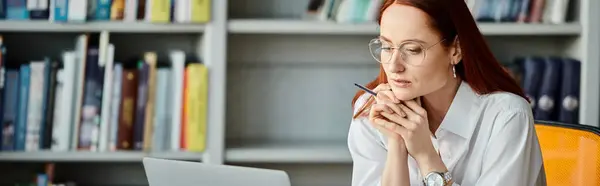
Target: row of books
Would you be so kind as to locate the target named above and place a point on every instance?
(552, 85)
(522, 11)
(531, 11)
(343, 11)
(160, 11)
(85, 100)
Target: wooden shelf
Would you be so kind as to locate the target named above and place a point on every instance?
(127, 27)
(292, 152)
(82, 156)
(290, 26)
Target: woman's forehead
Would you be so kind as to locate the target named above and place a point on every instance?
(401, 22)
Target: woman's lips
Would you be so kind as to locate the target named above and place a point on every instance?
(401, 83)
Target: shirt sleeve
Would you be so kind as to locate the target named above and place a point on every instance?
(513, 155)
(368, 154)
(367, 150)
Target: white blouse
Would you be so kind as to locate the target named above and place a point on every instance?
(483, 140)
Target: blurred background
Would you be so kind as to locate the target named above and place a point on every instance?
(89, 87)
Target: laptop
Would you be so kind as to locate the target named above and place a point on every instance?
(162, 172)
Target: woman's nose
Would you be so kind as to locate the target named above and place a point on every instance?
(396, 64)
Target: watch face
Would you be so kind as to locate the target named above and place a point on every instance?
(435, 180)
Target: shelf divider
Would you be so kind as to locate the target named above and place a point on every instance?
(112, 26)
(288, 152)
(89, 156)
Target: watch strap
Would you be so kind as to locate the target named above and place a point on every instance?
(445, 175)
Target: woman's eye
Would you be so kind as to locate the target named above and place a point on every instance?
(414, 51)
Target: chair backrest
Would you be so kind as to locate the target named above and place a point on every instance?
(571, 153)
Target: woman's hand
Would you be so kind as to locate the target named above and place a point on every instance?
(385, 102)
(396, 170)
(414, 129)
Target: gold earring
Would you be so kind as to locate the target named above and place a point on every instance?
(453, 71)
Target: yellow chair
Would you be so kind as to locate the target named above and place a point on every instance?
(571, 153)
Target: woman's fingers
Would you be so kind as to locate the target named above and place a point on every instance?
(410, 114)
(390, 117)
(388, 106)
(415, 107)
(380, 87)
(386, 96)
(390, 124)
(398, 120)
(413, 115)
(384, 93)
(379, 107)
(375, 111)
(395, 108)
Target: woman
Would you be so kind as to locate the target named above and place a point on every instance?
(446, 112)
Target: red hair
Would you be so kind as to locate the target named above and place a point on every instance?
(479, 68)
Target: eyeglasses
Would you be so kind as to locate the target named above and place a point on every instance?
(411, 52)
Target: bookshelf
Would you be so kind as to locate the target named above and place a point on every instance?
(83, 156)
(279, 87)
(292, 26)
(112, 26)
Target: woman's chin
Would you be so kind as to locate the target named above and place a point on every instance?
(405, 93)
(405, 96)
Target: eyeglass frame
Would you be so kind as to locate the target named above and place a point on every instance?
(425, 49)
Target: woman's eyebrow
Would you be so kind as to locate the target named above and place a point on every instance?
(413, 40)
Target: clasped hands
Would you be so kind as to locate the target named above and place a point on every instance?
(403, 121)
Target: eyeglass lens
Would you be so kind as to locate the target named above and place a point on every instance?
(409, 52)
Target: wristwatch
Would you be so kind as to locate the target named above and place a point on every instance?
(437, 179)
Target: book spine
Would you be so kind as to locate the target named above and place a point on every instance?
(117, 10)
(81, 50)
(58, 142)
(549, 90)
(21, 126)
(184, 113)
(130, 10)
(200, 11)
(2, 83)
(177, 59)
(11, 104)
(90, 111)
(115, 106)
(160, 11)
(34, 106)
(151, 60)
(49, 103)
(39, 9)
(142, 98)
(161, 121)
(3, 9)
(77, 10)
(128, 108)
(141, 9)
(102, 10)
(181, 11)
(570, 91)
(61, 10)
(197, 87)
(17, 10)
(62, 132)
(92, 6)
(108, 86)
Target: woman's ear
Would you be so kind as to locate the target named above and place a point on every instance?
(456, 51)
